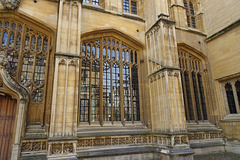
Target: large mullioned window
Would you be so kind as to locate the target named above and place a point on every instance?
(27, 50)
(191, 21)
(193, 86)
(109, 81)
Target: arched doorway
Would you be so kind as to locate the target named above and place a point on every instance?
(8, 107)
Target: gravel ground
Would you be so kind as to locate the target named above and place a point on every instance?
(218, 156)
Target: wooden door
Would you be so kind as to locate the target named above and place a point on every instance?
(7, 116)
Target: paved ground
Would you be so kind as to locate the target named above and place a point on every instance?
(218, 156)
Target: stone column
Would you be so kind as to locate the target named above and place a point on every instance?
(166, 97)
(63, 127)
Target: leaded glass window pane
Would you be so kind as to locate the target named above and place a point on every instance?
(84, 101)
(27, 69)
(40, 67)
(95, 91)
(126, 6)
(12, 62)
(135, 94)
(107, 98)
(134, 7)
(116, 92)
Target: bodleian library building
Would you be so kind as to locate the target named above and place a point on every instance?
(119, 79)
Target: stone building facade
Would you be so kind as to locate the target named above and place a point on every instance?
(119, 79)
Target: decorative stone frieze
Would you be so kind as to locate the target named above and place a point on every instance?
(162, 140)
(33, 145)
(204, 135)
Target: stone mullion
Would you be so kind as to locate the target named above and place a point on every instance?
(20, 56)
(90, 90)
(199, 96)
(185, 95)
(235, 96)
(121, 83)
(192, 89)
(130, 8)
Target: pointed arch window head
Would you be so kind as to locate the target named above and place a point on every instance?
(109, 81)
(190, 13)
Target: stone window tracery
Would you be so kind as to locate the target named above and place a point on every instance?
(27, 50)
(191, 20)
(193, 86)
(109, 92)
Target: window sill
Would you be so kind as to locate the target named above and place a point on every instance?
(92, 6)
(132, 16)
(110, 130)
(100, 9)
(231, 118)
